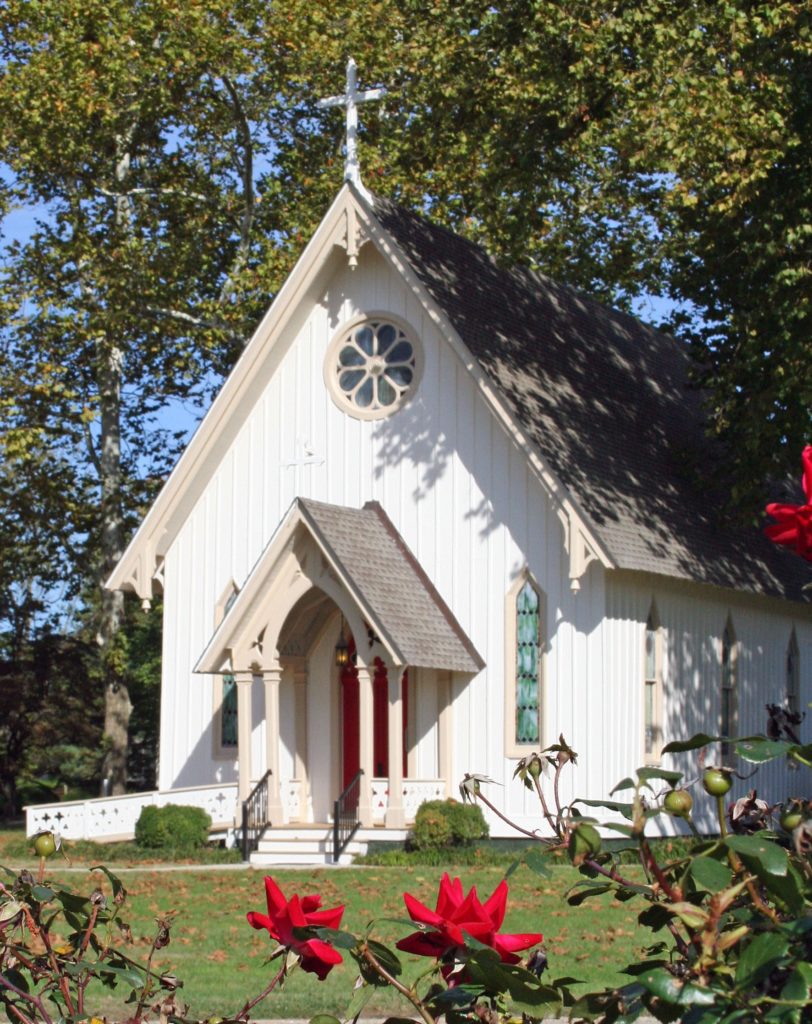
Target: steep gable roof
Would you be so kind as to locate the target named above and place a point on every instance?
(606, 401)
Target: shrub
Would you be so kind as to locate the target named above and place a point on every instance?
(172, 827)
(439, 824)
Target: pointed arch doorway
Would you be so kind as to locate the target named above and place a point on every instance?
(350, 718)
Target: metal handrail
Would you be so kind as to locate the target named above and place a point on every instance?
(345, 815)
(255, 816)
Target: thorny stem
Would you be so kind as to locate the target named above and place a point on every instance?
(378, 967)
(556, 778)
(279, 976)
(656, 870)
(18, 1013)
(42, 933)
(525, 832)
(739, 869)
(145, 991)
(544, 808)
(34, 1000)
(86, 937)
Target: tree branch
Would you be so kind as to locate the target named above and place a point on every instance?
(244, 137)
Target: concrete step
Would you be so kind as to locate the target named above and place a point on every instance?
(312, 845)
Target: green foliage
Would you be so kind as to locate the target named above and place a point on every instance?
(173, 828)
(731, 916)
(178, 163)
(439, 824)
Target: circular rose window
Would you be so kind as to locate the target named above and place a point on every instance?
(372, 368)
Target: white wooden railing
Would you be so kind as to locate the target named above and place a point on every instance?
(415, 792)
(114, 817)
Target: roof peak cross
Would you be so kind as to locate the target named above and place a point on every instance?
(350, 99)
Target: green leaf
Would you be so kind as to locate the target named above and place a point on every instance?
(799, 984)
(611, 805)
(701, 739)
(710, 874)
(758, 749)
(324, 1018)
(760, 956)
(16, 978)
(645, 774)
(360, 997)
(760, 853)
(623, 784)
(384, 955)
(538, 861)
(339, 939)
(527, 993)
(42, 893)
(662, 983)
(787, 889)
(585, 891)
(118, 886)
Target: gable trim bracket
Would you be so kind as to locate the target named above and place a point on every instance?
(580, 549)
(349, 234)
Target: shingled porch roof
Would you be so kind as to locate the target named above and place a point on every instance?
(380, 574)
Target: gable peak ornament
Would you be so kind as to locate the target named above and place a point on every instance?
(350, 99)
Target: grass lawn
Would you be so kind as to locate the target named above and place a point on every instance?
(222, 960)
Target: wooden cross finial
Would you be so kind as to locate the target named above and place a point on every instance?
(350, 100)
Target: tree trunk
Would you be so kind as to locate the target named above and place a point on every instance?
(117, 706)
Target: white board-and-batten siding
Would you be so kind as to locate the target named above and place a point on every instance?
(692, 620)
(464, 498)
(445, 471)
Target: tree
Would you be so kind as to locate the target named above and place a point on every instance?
(182, 163)
(132, 125)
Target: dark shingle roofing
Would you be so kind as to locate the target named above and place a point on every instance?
(605, 400)
(393, 585)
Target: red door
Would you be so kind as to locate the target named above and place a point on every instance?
(350, 746)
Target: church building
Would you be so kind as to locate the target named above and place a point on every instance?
(439, 514)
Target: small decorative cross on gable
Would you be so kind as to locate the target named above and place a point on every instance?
(350, 100)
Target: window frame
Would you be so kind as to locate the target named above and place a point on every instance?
(728, 671)
(222, 751)
(338, 341)
(513, 747)
(654, 681)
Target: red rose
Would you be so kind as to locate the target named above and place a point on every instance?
(284, 916)
(794, 522)
(457, 915)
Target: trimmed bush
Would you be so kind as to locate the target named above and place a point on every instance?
(440, 824)
(173, 827)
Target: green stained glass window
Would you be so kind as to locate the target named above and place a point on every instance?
(528, 651)
(228, 713)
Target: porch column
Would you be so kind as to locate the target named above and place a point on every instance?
(445, 752)
(243, 681)
(300, 719)
(395, 815)
(272, 677)
(365, 737)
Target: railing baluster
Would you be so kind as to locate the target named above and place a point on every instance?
(255, 816)
(345, 815)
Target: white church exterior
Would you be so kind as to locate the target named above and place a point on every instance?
(480, 483)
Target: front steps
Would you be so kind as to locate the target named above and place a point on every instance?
(312, 845)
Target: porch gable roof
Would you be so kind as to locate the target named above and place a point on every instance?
(381, 576)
